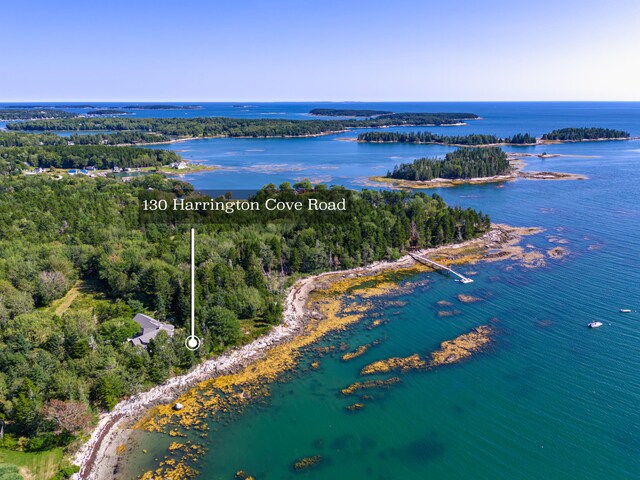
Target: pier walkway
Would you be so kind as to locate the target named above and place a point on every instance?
(431, 263)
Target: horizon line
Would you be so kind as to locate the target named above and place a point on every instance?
(2, 101)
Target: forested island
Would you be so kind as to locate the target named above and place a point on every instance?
(107, 111)
(73, 105)
(464, 163)
(78, 263)
(564, 134)
(346, 112)
(237, 127)
(442, 118)
(578, 134)
(7, 114)
(428, 137)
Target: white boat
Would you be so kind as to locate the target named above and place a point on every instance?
(625, 310)
(594, 324)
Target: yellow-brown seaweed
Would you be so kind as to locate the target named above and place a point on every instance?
(361, 350)
(395, 363)
(452, 351)
(354, 387)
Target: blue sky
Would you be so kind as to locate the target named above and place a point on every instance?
(286, 50)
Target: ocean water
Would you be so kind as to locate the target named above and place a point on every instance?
(551, 399)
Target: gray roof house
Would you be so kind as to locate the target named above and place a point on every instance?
(149, 328)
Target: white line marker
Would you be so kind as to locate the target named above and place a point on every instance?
(192, 342)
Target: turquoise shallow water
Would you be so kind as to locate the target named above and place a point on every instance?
(551, 399)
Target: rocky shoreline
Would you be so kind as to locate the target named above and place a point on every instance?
(98, 457)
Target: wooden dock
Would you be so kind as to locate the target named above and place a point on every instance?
(439, 266)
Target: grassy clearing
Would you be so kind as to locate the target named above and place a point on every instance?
(34, 466)
(85, 295)
(65, 302)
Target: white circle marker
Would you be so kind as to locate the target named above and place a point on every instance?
(192, 342)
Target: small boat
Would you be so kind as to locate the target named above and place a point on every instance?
(594, 324)
(625, 310)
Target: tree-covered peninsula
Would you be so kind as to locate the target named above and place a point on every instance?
(464, 163)
(118, 138)
(236, 127)
(22, 139)
(578, 134)
(15, 159)
(428, 137)
(77, 263)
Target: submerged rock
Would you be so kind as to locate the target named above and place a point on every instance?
(452, 351)
(306, 462)
(242, 475)
(557, 252)
(369, 384)
(468, 298)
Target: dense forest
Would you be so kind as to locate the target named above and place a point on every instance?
(86, 234)
(15, 159)
(593, 133)
(33, 114)
(237, 127)
(428, 137)
(460, 164)
(118, 138)
(346, 112)
(19, 139)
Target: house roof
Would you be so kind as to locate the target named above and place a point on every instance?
(149, 328)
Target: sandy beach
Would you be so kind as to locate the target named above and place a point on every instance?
(98, 457)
